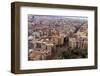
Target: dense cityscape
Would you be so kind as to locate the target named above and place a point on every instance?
(57, 37)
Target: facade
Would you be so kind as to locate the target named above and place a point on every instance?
(72, 42)
(78, 43)
(34, 55)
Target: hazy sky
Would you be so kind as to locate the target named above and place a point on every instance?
(56, 17)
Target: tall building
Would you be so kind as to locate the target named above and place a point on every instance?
(72, 42)
(43, 46)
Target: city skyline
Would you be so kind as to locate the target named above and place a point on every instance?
(57, 37)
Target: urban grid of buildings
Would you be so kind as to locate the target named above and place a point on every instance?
(49, 36)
